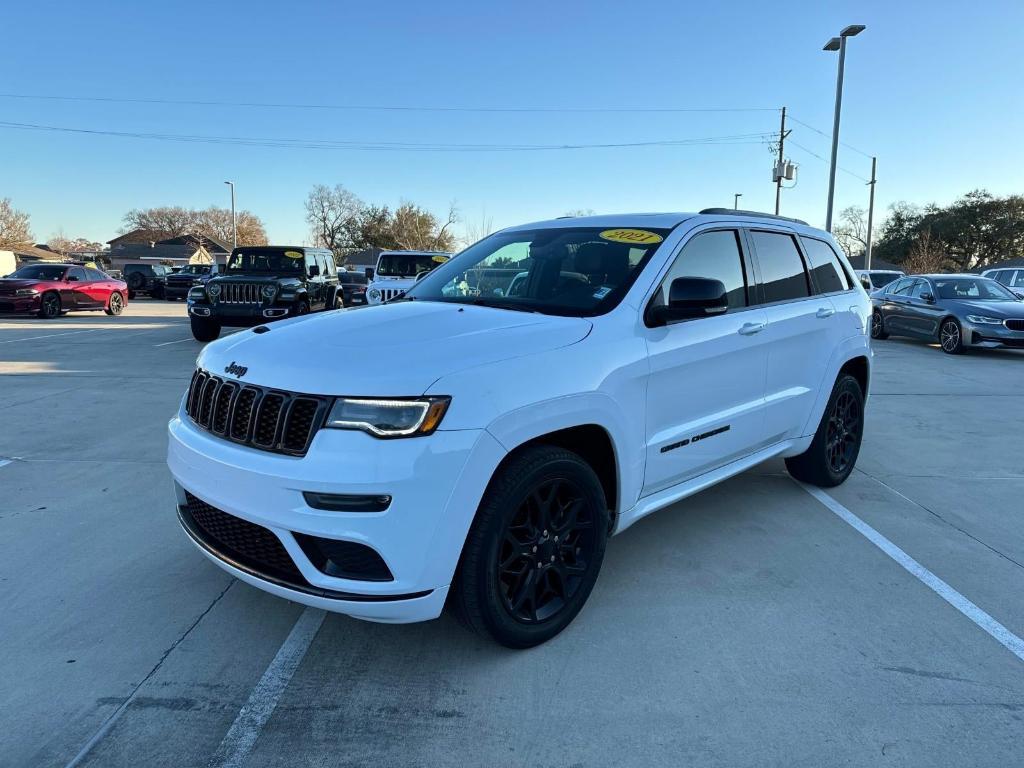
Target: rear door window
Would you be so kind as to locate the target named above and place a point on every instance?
(783, 275)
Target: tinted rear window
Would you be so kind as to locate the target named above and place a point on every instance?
(782, 270)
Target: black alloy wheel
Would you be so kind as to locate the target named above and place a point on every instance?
(534, 550)
(49, 307)
(842, 438)
(115, 304)
(832, 454)
(545, 552)
(950, 337)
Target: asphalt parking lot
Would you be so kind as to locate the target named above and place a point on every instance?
(750, 625)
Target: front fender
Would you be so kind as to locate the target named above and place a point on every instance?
(522, 425)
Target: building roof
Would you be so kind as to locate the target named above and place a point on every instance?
(135, 236)
(211, 244)
(35, 253)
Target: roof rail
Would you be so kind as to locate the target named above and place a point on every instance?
(734, 212)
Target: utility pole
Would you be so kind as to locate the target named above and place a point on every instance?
(871, 213)
(736, 201)
(234, 222)
(778, 168)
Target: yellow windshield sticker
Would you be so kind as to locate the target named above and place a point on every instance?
(440, 259)
(631, 236)
(293, 254)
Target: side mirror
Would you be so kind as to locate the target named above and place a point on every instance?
(927, 298)
(314, 270)
(690, 298)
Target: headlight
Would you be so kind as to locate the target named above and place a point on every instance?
(374, 294)
(197, 292)
(26, 292)
(388, 417)
(213, 289)
(983, 320)
(269, 291)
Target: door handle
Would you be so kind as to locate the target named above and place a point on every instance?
(825, 312)
(749, 329)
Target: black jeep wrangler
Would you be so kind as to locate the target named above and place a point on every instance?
(264, 283)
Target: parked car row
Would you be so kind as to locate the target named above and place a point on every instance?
(957, 311)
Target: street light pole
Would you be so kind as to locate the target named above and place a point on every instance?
(837, 44)
(736, 201)
(871, 214)
(234, 222)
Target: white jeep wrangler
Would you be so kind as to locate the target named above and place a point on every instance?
(397, 272)
(479, 449)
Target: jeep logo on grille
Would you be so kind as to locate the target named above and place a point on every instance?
(236, 369)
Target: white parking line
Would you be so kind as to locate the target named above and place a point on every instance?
(1000, 633)
(50, 335)
(179, 341)
(234, 750)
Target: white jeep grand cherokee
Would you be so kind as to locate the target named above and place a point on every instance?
(480, 449)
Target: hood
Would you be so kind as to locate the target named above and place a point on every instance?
(17, 282)
(1000, 309)
(255, 277)
(388, 350)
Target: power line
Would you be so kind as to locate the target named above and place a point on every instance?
(829, 137)
(384, 146)
(372, 107)
(825, 160)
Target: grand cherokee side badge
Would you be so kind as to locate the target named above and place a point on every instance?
(237, 370)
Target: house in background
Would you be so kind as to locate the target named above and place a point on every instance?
(193, 248)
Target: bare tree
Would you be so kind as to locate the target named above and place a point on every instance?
(478, 230)
(216, 223)
(173, 221)
(927, 255)
(333, 215)
(851, 231)
(14, 226)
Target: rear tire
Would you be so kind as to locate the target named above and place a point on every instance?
(878, 326)
(204, 328)
(833, 453)
(534, 550)
(951, 337)
(49, 306)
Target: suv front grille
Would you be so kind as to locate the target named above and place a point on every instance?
(271, 420)
(1014, 324)
(241, 293)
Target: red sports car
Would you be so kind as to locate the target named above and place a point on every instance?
(49, 289)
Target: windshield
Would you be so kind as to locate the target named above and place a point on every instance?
(972, 289)
(882, 279)
(559, 270)
(407, 264)
(273, 260)
(195, 269)
(40, 272)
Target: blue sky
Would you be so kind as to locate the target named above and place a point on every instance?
(933, 90)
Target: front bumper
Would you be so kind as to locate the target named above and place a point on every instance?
(19, 304)
(435, 482)
(239, 315)
(990, 336)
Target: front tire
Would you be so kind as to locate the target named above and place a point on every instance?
(951, 337)
(833, 453)
(302, 308)
(535, 548)
(204, 328)
(49, 306)
(115, 304)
